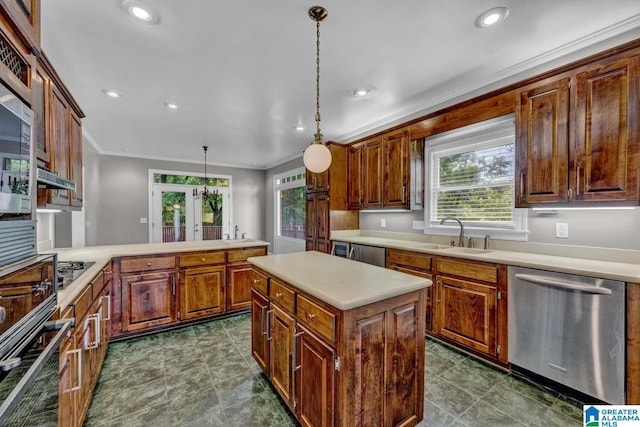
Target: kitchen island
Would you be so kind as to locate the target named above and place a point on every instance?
(341, 341)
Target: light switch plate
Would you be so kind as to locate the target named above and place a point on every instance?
(562, 230)
(383, 223)
(143, 220)
(418, 225)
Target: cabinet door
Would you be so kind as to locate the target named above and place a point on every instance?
(315, 364)
(466, 313)
(202, 291)
(282, 330)
(239, 286)
(75, 145)
(148, 300)
(105, 321)
(68, 383)
(60, 144)
(259, 330)
(354, 177)
(373, 174)
(607, 155)
(40, 108)
(17, 303)
(396, 169)
(542, 144)
(83, 335)
(311, 218)
(322, 217)
(317, 181)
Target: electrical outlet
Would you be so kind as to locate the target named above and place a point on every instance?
(383, 223)
(143, 220)
(418, 225)
(562, 230)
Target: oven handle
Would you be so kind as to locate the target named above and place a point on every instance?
(539, 280)
(16, 395)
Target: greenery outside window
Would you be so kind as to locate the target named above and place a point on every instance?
(291, 204)
(471, 177)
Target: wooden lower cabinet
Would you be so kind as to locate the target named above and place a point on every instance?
(240, 278)
(259, 342)
(316, 360)
(148, 300)
(359, 367)
(202, 291)
(68, 385)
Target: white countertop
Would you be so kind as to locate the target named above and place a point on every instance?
(626, 272)
(102, 255)
(340, 282)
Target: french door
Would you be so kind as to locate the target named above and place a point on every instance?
(177, 216)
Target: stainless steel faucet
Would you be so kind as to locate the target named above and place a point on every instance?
(235, 232)
(461, 237)
(486, 241)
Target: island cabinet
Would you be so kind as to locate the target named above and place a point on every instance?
(417, 264)
(148, 287)
(357, 366)
(83, 352)
(202, 284)
(578, 135)
(470, 307)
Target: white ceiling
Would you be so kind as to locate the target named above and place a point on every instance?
(243, 72)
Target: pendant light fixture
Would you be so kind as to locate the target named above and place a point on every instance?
(205, 193)
(317, 157)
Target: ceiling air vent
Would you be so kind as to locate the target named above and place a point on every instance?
(14, 62)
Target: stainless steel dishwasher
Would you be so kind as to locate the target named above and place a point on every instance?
(368, 254)
(570, 329)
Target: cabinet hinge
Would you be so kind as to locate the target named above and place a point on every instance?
(336, 364)
(179, 315)
(499, 295)
(498, 350)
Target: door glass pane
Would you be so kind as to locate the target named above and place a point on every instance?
(292, 212)
(173, 216)
(212, 217)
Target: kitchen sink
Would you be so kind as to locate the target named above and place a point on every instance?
(236, 241)
(460, 250)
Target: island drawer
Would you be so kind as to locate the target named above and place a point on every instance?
(316, 317)
(240, 255)
(412, 260)
(260, 282)
(207, 258)
(469, 269)
(281, 295)
(128, 265)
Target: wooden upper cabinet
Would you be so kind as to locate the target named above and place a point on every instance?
(60, 144)
(355, 197)
(40, 109)
(606, 164)
(372, 174)
(396, 169)
(317, 181)
(25, 15)
(542, 143)
(75, 155)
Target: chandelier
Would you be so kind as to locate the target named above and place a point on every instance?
(317, 157)
(205, 193)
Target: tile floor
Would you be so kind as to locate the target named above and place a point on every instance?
(204, 375)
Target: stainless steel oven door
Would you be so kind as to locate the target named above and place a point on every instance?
(29, 391)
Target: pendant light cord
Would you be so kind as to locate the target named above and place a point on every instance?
(318, 136)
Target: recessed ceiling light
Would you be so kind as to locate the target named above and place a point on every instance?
(492, 17)
(361, 92)
(141, 11)
(299, 128)
(111, 93)
(171, 105)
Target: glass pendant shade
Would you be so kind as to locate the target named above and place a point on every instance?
(317, 158)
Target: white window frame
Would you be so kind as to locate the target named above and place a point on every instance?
(281, 242)
(476, 136)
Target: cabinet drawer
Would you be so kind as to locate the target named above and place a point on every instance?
(316, 317)
(259, 282)
(98, 284)
(202, 259)
(128, 265)
(469, 269)
(238, 255)
(82, 303)
(409, 259)
(281, 295)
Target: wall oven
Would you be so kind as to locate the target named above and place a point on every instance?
(29, 342)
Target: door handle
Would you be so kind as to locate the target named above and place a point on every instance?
(77, 351)
(106, 297)
(268, 331)
(295, 351)
(351, 252)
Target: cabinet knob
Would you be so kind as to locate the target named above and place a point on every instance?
(278, 294)
(310, 316)
(148, 264)
(257, 280)
(203, 259)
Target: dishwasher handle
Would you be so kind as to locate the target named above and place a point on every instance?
(540, 280)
